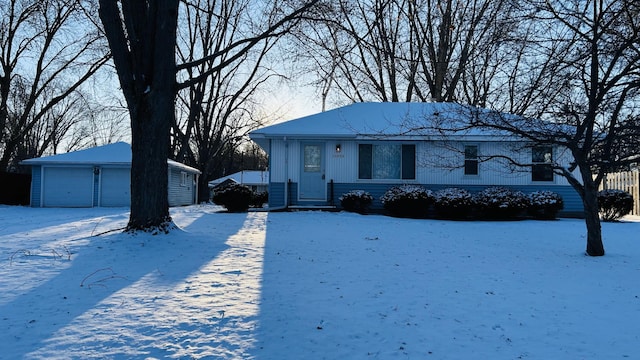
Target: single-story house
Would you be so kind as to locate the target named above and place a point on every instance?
(256, 180)
(100, 177)
(315, 159)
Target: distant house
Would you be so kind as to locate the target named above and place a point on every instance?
(100, 177)
(256, 180)
(374, 146)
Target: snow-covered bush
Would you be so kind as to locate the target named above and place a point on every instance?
(407, 201)
(259, 198)
(545, 204)
(499, 202)
(453, 203)
(356, 201)
(614, 204)
(234, 197)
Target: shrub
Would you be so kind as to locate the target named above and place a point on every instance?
(407, 201)
(259, 198)
(356, 201)
(234, 197)
(499, 202)
(453, 203)
(614, 204)
(545, 204)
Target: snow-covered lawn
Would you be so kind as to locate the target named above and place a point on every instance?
(313, 285)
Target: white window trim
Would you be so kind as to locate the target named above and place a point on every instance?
(183, 178)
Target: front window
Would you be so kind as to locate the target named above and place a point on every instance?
(184, 177)
(471, 160)
(386, 161)
(312, 158)
(542, 159)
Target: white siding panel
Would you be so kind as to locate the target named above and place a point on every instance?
(442, 163)
(342, 167)
(277, 161)
(115, 187)
(181, 187)
(68, 187)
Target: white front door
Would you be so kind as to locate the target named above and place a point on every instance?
(312, 177)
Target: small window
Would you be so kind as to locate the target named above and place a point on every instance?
(184, 178)
(542, 159)
(387, 161)
(471, 160)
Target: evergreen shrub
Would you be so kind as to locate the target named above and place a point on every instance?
(234, 197)
(545, 204)
(259, 198)
(356, 201)
(614, 204)
(499, 202)
(410, 201)
(453, 203)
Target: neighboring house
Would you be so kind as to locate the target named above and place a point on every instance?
(100, 177)
(256, 180)
(374, 146)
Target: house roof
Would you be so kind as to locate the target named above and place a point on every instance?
(246, 177)
(111, 154)
(373, 120)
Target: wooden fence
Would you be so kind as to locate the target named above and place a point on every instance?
(628, 181)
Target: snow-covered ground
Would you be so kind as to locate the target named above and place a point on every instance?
(313, 285)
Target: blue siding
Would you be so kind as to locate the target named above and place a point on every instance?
(180, 194)
(96, 188)
(572, 201)
(36, 185)
(276, 195)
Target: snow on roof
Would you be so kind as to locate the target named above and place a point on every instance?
(111, 154)
(386, 118)
(246, 177)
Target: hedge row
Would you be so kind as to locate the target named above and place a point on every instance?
(414, 201)
(495, 202)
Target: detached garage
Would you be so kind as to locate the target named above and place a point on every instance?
(100, 176)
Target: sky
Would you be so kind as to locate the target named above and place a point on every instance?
(313, 285)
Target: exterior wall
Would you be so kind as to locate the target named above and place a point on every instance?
(181, 193)
(36, 186)
(438, 165)
(178, 194)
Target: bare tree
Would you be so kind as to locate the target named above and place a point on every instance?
(406, 50)
(48, 50)
(591, 52)
(215, 114)
(142, 36)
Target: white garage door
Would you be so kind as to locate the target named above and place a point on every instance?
(68, 187)
(115, 187)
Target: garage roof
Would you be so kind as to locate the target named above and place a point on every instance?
(111, 154)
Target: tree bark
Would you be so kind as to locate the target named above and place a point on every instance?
(595, 246)
(142, 38)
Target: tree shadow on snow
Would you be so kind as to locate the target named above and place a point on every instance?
(98, 292)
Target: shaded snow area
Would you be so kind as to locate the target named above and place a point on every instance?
(313, 285)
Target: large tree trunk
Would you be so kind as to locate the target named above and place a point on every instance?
(142, 38)
(595, 246)
(151, 123)
(149, 170)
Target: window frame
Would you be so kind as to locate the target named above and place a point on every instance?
(184, 177)
(542, 170)
(475, 160)
(407, 164)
